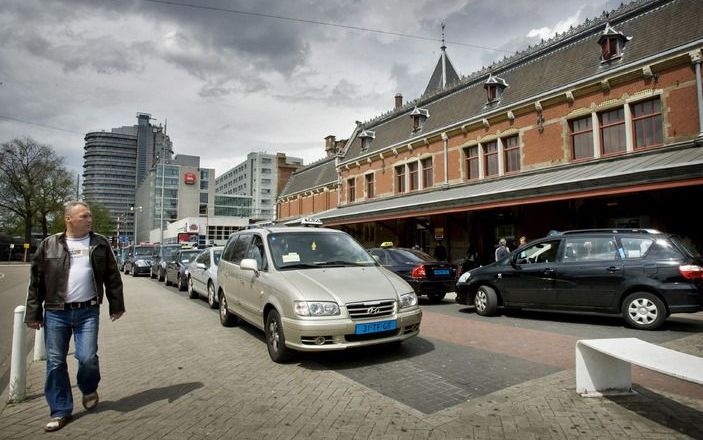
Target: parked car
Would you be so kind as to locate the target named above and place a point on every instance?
(424, 273)
(162, 255)
(138, 259)
(643, 275)
(202, 275)
(177, 267)
(312, 289)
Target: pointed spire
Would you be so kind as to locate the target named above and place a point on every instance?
(444, 72)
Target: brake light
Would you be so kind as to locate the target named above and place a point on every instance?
(418, 272)
(691, 271)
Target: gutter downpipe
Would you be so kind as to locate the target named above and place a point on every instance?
(445, 141)
(697, 58)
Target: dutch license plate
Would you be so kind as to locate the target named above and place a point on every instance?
(444, 272)
(375, 327)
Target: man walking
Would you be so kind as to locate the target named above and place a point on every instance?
(70, 272)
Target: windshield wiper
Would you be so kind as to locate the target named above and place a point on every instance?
(342, 263)
(299, 266)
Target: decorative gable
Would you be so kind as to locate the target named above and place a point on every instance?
(419, 116)
(612, 43)
(366, 137)
(494, 88)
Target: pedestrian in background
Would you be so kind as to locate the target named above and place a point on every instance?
(502, 250)
(440, 252)
(70, 272)
(523, 240)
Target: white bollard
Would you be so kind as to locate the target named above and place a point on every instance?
(18, 366)
(39, 347)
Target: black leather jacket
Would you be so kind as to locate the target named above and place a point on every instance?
(48, 284)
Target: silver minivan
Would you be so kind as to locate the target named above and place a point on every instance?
(312, 289)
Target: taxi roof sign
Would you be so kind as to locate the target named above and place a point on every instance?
(387, 244)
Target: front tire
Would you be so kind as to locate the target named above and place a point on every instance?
(162, 275)
(192, 294)
(211, 295)
(226, 318)
(134, 271)
(644, 311)
(275, 339)
(181, 284)
(486, 301)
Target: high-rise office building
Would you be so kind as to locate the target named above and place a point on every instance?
(258, 177)
(116, 162)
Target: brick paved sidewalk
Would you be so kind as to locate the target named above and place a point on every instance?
(171, 371)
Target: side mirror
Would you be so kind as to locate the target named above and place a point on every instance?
(249, 264)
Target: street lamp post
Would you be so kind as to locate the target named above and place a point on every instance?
(132, 208)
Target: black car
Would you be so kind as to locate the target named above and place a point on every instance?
(138, 259)
(162, 255)
(643, 275)
(424, 273)
(177, 267)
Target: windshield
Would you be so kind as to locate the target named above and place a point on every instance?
(143, 251)
(300, 250)
(216, 256)
(168, 251)
(186, 257)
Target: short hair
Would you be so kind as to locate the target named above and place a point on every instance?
(502, 242)
(68, 206)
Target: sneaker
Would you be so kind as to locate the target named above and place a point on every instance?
(90, 401)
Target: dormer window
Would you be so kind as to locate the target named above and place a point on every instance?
(366, 137)
(494, 88)
(419, 116)
(612, 43)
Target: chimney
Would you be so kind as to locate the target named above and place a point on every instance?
(398, 101)
(330, 145)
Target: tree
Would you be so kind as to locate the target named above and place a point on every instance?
(25, 167)
(55, 190)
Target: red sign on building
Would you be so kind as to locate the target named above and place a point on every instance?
(189, 178)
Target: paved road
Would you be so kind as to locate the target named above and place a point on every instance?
(171, 371)
(14, 279)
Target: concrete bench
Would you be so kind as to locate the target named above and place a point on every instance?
(603, 366)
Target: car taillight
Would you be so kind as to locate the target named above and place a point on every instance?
(418, 272)
(691, 271)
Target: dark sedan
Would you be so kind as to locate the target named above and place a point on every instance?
(424, 273)
(177, 267)
(642, 275)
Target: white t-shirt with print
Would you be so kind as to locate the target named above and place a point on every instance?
(80, 277)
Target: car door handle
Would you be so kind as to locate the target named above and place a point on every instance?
(548, 271)
(613, 269)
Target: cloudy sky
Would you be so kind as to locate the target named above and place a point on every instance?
(230, 77)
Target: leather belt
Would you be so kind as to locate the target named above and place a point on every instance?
(79, 305)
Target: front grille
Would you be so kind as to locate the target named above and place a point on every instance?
(371, 309)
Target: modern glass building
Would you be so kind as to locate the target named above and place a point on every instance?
(115, 162)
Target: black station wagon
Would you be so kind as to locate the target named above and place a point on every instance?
(643, 275)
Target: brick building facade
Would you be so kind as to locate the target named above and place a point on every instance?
(598, 127)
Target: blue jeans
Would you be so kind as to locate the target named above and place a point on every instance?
(59, 325)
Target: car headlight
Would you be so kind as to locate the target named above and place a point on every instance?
(464, 277)
(408, 300)
(316, 308)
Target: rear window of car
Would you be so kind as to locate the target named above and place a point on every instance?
(401, 256)
(686, 246)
